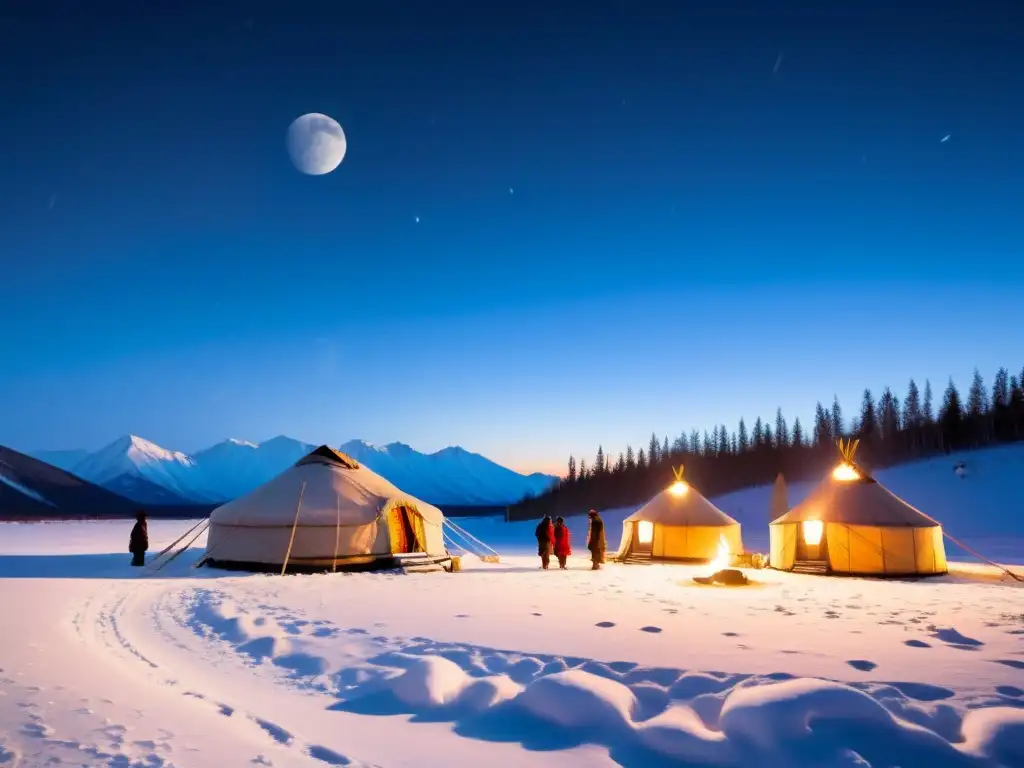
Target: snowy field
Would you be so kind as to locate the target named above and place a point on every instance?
(500, 665)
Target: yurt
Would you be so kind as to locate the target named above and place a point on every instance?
(325, 512)
(679, 524)
(852, 524)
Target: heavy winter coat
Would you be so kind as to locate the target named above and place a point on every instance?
(595, 539)
(545, 537)
(139, 540)
(563, 541)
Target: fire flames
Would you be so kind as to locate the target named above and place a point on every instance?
(722, 556)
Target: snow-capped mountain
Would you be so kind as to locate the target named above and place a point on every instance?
(452, 476)
(234, 467)
(136, 457)
(140, 470)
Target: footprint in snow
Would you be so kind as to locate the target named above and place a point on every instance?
(605, 624)
(1010, 663)
(1009, 690)
(916, 643)
(653, 630)
(862, 664)
(730, 634)
(536, 614)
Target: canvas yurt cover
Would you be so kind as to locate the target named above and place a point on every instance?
(348, 516)
(679, 524)
(852, 524)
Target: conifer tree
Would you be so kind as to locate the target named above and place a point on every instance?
(758, 437)
(620, 464)
(630, 458)
(707, 448)
(951, 417)
(641, 460)
(888, 416)
(837, 418)
(695, 442)
(743, 440)
(653, 449)
(583, 470)
(822, 426)
(1001, 390)
(977, 398)
(571, 476)
(927, 411)
(798, 433)
(868, 418)
(665, 453)
(767, 439)
(912, 407)
(734, 444)
(599, 465)
(781, 430)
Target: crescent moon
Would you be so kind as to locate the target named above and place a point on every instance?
(316, 144)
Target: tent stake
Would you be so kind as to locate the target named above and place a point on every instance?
(291, 539)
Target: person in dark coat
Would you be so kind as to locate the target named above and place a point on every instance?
(563, 542)
(595, 540)
(545, 540)
(138, 542)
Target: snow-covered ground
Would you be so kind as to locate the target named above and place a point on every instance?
(501, 664)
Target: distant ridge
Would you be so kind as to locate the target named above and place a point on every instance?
(150, 474)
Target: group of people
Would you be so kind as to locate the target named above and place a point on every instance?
(556, 538)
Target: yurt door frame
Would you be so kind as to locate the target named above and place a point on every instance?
(406, 535)
(810, 540)
(643, 545)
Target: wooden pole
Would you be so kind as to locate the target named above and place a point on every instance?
(337, 534)
(291, 539)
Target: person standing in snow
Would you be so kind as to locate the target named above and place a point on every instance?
(595, 540)
(545, 541)
(138, 542)
(563, 542)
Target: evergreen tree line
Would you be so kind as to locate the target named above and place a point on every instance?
(720, 461)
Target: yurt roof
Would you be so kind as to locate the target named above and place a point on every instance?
(863, 501)
(333, 488)
(687, 509)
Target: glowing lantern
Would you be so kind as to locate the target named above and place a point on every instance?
(813, 530)
(845, 473)
(645, 532)
(678, 488)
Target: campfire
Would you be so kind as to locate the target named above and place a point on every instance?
(719, 571)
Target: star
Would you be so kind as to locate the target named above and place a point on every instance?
(510, 191)
(945, 138)
(417, 219)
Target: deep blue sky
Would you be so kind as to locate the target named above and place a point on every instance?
(697, 231)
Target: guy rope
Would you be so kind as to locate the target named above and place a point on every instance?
(470, 544)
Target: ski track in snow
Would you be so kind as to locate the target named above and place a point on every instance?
(543, 702)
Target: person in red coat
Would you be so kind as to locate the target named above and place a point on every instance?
(563, 542)
(545, 541)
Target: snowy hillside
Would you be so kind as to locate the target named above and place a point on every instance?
(32, 488)
(450, 476)
(453, 476)
(131, 455)
(143, 491)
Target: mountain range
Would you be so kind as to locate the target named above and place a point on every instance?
(146, 473)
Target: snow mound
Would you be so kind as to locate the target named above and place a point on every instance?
(430, 681)
(995, 733)
(578, 699)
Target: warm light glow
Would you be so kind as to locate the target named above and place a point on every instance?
(813, 529)
(645, 531)
(845, 473)
(722, 558)
(678, 488)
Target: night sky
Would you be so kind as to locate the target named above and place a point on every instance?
(555, 225)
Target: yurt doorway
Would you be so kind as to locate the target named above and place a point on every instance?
(810, 540)
(406, 529)
(643, 537)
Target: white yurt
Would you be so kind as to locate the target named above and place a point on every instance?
(680, 524)
(325, 512)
